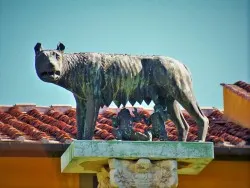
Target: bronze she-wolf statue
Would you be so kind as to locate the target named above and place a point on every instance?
(97, 79)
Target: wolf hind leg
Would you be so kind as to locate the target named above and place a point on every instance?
(176, 116)
(191, 106)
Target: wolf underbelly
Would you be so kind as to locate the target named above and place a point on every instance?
(130, 79)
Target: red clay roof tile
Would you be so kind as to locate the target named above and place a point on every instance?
(243, 85)
(240, 88)
(48, 124)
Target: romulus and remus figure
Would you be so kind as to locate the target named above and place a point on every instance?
(97, 79)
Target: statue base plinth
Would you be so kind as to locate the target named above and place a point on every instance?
(139, 163)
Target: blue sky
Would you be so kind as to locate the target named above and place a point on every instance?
(210, 37)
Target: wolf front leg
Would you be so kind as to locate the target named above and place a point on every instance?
(92, 110)
(80, 116)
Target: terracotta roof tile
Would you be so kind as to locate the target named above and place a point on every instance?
(243, 85)
(58, 125)
(10, 131)
(25, 128)
(52, 130)
(61, 117)
(241, 88)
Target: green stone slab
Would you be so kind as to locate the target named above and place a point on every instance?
(89, 156)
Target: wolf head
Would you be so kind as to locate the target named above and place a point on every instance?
(49, 63)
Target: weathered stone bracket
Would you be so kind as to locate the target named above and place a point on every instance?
(103, 178)
(143, 173)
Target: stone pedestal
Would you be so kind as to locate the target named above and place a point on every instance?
(127, 164)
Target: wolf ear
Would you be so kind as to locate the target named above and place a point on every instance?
(60, 47)
(38, 48)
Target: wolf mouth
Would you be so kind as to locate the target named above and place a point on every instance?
(50, 74)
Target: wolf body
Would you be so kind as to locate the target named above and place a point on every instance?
(97, 79)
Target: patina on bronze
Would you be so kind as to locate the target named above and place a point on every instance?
(97, 79)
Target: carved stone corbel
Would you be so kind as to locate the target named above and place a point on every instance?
(142, 173)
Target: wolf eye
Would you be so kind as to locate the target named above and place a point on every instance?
(57, 56)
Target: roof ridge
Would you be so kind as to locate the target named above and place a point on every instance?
(238, 90)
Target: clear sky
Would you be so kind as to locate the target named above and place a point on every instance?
(210, 37)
